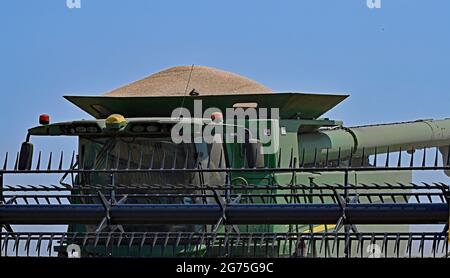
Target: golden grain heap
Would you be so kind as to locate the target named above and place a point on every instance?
(205, 81)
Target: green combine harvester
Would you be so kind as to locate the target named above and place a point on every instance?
(310, 188)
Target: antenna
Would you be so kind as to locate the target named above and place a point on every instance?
(185, 90)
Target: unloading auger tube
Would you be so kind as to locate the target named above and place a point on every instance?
(341, 142)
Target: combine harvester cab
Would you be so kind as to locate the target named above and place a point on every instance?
(310, 188)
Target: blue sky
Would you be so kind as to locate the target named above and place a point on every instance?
(393, 61)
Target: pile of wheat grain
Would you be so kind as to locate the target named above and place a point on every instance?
(205, 81)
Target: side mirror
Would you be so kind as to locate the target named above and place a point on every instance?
(25, 156)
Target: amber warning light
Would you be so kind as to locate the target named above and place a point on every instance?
(44, 119)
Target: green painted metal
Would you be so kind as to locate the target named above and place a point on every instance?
(368, 140)
(291, 105)
(304, 139)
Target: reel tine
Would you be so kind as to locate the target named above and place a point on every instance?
(303, 158)
(38, 165)
(72, 160)
(411, 162)
(163, 160)
(16, 164)
(61, 157)
(363, 156)
(5, 163)
(186, 161)
(49, 164)
(152, 159)
(128, 159)
(424, 157)
(141, 159)
(174, 163)
(387, 157)
(436, 157)
(279, 159)
(375, 156)
(448, 157)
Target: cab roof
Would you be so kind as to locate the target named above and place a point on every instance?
(291, 105)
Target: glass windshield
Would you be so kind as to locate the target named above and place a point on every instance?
(144, 153)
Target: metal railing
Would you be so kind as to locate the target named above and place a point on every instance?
(221, 208)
